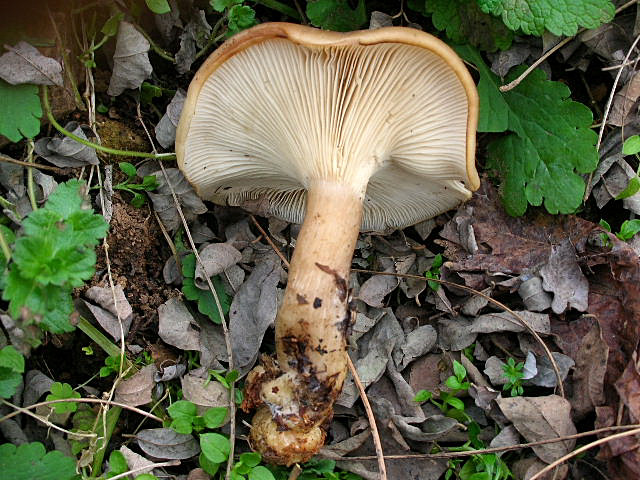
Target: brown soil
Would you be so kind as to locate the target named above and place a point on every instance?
(137, 255)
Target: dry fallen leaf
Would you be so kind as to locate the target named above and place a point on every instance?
(167, 443)
(177, 326)
(131, 64)
(541, 418)
(23, 63)
(562, 276)
(204, 394)
(137, 389)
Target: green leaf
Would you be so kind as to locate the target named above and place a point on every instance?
(560, 17)
(459, 370)
(451, 400)
(207, 465)
(251, 459)
(221, 5)
(453, 383)
(551, 143)
(31, 461)
(215, 447)
(336, 14)
(117, 464)
(631, 145)
(632, 189)
(241, 17)
(9, 382)
(12, 359)
(422, 396)
(464, 22)
(261, 473)
(182, 409)
(146, 476)
(20, 111)
(128, 169)
(214, 417)
(158, 6)
(148, 92)
(604, 224)
(62, 391)
(628, 229)
(110, 27)
(50, 306)
(206, 302)
(182, 425)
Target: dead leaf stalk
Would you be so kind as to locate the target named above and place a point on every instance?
(269, 241)
(372, 420)
(171, 463)
(59, 171)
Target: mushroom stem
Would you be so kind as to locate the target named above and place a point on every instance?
(311, 330)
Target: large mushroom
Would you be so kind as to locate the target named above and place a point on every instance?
(367, 130)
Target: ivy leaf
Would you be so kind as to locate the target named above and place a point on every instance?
(336, 14)
(31, 461)
(560, 17)
(20, 111)
(464, 22)
(550, 143)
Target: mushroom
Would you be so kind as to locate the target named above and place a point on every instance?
(366, 130)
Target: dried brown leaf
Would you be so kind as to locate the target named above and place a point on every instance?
(137, 390)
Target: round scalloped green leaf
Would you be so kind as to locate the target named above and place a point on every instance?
(31, 461)
(20, 111)
(560, 17)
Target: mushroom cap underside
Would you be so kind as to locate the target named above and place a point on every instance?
(391, 112)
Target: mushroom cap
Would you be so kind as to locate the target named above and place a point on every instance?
(391, 111)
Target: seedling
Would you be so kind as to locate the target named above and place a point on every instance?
(450, 405)
(514, 373)
(185, 418)
(434, 272)
(111, 365)
(149, 183)
(227, 381)
(239, 16)
(61, 391)
(631, 146)
(628, 229)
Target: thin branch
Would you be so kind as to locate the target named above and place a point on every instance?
(522, 321)
(584, 448)
(607, 109)
(269, 241)
(551, 51)
(86, 400)
(170, 463)
(4, 158)
(507, 448)
(372, 420)
(31, 190)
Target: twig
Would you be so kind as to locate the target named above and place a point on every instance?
(47, 422)
(584, 448)
(170, 463)
(507, 448)
(607, 109)
(86, 400)
(551, 51)
(30, 186)
(269, 241)
(522, 321)
(295, 472)
(372, 420)
(4, 158)
(112, 151)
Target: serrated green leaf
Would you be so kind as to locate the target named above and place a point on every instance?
(158, 6)
(61, 391)
(215, 447)
(560, 17)
(31, 461)
(49, 306)
(464, 22)
(9, 382)
(336, 14)
(631, 145)
(67, 198)
(12, 359)
(240, 18)
(20, 111)
(551, 144)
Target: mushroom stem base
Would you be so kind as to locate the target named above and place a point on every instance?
(311, 327)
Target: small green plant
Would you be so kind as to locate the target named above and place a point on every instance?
(448, 403)
(111, 366)
(628, 230)
(149, 183)
(30, 461)
(227, 380)
(11, 370)
(53, 255)
(206, 302)
(514, 373)
(158, 6)
(316, 469)
(239, 16)
(185, 418)
(62, 391)
(434, 272)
